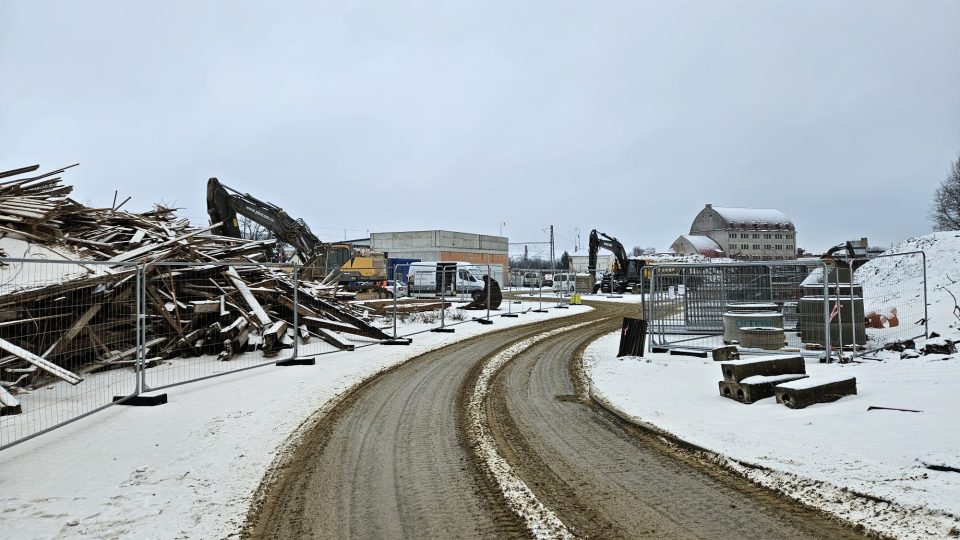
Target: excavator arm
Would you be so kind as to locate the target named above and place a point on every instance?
(600, 240)
(224, 203)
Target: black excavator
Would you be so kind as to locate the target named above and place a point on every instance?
(225, 203)
(627, 273)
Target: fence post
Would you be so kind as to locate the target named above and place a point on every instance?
(395, 301)
(443, 295)
(489, 286)
(296, 311)
(826, 311)
(142, 317)
(140, 368)
(926, 314)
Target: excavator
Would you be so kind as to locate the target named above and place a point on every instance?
(626, 274)
(332, 260)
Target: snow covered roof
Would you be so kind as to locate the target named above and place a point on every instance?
(760, 218)
(704, 245)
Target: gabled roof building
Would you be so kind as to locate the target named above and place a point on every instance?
(750, 234)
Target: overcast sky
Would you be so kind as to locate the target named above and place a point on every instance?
(626, 117)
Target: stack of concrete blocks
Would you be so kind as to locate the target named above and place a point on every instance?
(783, 376)
(753, 379)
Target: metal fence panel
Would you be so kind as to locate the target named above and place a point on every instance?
(69, 342)
(775, 306)
(894, 292)
(204, 320)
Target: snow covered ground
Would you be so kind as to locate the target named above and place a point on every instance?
(827, 455)
(187, 469)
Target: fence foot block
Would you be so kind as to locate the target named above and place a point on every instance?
(444, 330)
(398, 341)
(484, 321)
(690, 352)
(297, 362)
(562, 307)
(660, 350)
(141, 401)
(539, 311)
(511, 315)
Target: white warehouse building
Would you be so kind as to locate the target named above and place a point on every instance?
(748, 234)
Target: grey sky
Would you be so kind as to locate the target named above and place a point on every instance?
(621, 116)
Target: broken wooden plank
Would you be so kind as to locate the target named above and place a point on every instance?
(334, 340)
(8, 404)
(41, 363)
(248, 296)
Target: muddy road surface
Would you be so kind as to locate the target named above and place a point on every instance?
(393, 459)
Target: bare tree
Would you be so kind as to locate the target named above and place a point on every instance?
(945, 210)
(251, 230)
(637, 251)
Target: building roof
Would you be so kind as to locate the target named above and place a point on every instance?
(763, 218)
(703, 244)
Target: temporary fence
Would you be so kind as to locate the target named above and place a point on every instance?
(64, 328)
(894, 292)
(811, 306)
(80, 336)
(759, 306)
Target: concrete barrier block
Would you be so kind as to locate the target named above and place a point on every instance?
(723, 354)
(805, 392)
(760, 387)
(737, 370)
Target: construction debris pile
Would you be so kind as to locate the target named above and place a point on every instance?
(202, 293)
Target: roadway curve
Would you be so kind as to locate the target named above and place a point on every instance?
(393, 459)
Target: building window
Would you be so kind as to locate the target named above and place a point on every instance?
(756, 236)
(767, 246)
(744, 235)
(744, 246)
(766, 236)
(779, 246)
(778, 236)
(756, 246)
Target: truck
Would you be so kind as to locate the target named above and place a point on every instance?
(449, 278)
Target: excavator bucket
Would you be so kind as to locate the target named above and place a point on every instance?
(491, 287)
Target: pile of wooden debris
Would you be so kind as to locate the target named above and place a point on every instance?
(202, 293)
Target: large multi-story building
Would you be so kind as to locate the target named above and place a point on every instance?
(749, 234)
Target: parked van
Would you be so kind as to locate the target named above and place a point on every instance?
(427, 279)
(531, 279)
(565, 282)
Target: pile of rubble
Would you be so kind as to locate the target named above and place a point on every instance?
(202, 293)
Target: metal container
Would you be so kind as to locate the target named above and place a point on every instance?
(848, 325)
(767, 338)
(734, 322)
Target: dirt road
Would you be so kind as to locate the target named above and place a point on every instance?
(393, 460)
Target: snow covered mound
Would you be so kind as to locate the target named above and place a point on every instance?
(898, 281)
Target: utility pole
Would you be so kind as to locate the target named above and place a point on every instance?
(553, 258)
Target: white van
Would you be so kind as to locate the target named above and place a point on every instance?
(565, 282)
(427, 279)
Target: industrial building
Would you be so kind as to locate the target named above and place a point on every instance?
(442, 245)
(749, 234)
